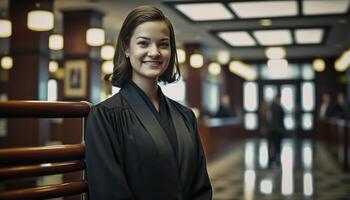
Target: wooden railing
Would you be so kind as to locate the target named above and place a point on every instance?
(16, 163)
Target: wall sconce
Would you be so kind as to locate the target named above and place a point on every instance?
(107, 52)
(56, 42)
(196, 60)
(6, 62)
(95, 37)
(40, 20)
(319, 65)
(214, 68)
(181, 55)
(107, 67)
(53, 66)
(5, 28)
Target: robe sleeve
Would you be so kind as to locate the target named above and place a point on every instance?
(201, 187)
(104, 173)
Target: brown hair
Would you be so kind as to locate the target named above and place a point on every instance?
(122, 70)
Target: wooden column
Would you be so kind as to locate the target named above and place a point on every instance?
(193, 78)
(28, 78)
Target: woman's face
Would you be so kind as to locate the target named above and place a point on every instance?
(149, 50)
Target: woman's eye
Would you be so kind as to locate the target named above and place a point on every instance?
(164, 45)
(142, 43)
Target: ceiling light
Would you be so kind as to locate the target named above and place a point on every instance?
(237, 38)
(107, 67)
(196, 60)
(257, 9)
(322, 7)
(265, 22)
(40, 20)
(277, 63)
(107, 52)
(95, 36)
(223, 57)
(204, 11)
(309, 36)
(275, 52)
(319, 65)
(56, 42)
(53, 66)
(243, 70)
(214, 68)
(181, 55)
(5, 28)
(273, 37)
(6, 62)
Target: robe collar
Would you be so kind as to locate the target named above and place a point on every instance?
(186, 144)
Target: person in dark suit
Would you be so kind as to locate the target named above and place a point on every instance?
(139, 143)
(276, 130)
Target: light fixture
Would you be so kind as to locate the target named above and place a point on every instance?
(196, 60)
(5, 28)
(275, 52)
(277, 63)
(205, 11)
(56, 42)
(107, 67)
(321, 7)
(181, 55)
(263, 9)
(40, 20)
(214, 68)
(309, 36)
(53, 66)
(95, 36)
(223, 57)
(243, 70)
(343, 62)
(107, 52)
(273, 37)
(6, 62)
(319, 65)
(265, 22)
(237, 38)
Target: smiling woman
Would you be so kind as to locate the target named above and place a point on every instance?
(139, 143)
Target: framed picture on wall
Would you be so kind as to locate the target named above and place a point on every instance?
(75, 78)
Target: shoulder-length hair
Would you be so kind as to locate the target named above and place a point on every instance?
(122, 71)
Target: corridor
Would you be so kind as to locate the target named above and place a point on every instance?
(307, 171)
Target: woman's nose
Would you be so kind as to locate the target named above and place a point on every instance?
(154, 50)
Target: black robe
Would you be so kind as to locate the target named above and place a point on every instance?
(129, 155)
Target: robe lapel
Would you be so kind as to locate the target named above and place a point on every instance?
(157, 133)
(186, 144)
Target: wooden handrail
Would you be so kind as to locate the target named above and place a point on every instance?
(46, 192)
(41, 170)
(43, 109)
(48, 154)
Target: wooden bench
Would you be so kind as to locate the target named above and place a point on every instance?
(16, 163)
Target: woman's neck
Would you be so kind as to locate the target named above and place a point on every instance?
(150, 88)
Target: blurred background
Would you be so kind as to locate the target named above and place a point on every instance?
(267, 80)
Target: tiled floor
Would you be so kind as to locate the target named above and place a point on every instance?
(307, 172)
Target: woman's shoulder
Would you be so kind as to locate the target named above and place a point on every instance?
(115, 102)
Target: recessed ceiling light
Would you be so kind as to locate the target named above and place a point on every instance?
(322, 7)
(257, 9)
(237, 38)
(309, 36)
(205, 11)
(273, 37)
(265, 22)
